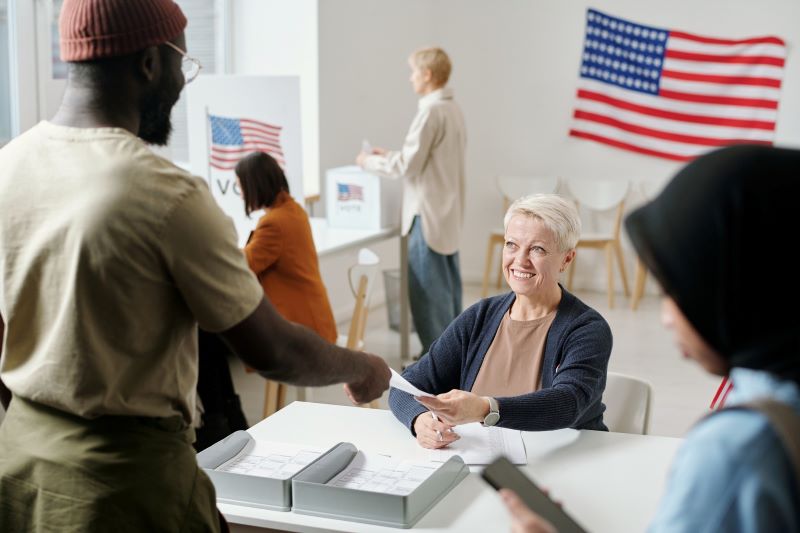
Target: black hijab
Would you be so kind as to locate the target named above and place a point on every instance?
(718, 240)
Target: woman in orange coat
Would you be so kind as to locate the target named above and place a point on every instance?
(281, 249)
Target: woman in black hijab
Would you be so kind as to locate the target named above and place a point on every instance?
(716, 240)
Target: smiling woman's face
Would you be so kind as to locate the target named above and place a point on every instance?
(531, 257)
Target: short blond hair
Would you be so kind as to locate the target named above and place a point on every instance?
(434, 59)
(556, 213)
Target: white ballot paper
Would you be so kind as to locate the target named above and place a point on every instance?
(275, 460)
(399, 382)
(366, 147)
(383, 473)
(480, 445)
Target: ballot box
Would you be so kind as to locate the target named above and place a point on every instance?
(357, 199)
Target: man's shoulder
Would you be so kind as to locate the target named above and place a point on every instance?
(158, 175)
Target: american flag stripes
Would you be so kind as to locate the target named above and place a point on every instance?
(348, 191)
(672, 94)
(234, 138)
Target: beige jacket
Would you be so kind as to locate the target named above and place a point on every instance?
(432, 165)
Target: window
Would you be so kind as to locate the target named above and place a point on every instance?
(5, 75)
(202, 38)
(58, 68)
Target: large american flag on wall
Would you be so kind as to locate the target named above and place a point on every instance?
(234, 138)
(673, 94)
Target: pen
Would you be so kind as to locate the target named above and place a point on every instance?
(438, 433)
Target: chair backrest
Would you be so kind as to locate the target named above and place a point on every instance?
(514, 187)
(362, 278)
(628, 403)
(599, 194)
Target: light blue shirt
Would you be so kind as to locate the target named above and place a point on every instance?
(732, 474)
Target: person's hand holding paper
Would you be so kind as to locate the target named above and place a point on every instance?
(430, 431)
(457, 406)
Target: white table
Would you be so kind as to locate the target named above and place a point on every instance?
(610, 482)
(329, 240)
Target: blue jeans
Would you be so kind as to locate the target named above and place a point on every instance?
(434, 287)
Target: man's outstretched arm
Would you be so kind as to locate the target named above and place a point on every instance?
(287, 352)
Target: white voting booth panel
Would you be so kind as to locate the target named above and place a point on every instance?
(253, 113)
(360, 200)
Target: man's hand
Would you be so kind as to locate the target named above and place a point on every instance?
(374, 381)
(457, 407)
(523, 520)
(432, 433)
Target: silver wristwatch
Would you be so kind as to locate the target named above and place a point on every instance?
(494, 413)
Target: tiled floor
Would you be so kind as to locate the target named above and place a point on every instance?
(642, 347)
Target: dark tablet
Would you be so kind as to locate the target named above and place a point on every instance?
(501, 474)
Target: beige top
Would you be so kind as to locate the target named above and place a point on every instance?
(109, 256)
(513, 364)
(432, 165)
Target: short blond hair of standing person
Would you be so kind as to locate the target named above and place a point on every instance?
(436, 60)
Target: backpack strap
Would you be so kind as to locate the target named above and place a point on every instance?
(785, 421)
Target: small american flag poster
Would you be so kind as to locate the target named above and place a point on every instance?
(673, 94)
(234, 138)
(348, 191)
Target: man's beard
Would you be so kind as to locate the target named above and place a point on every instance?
(155, 124)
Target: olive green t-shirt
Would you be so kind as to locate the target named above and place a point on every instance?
(109, 257)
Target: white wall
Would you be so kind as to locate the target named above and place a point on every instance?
(515, 73)
(363, 73)
(279, 37)
(5, 80)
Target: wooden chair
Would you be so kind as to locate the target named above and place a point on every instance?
(310, 201)
(602, 195)
(361, 277)
(649, 190)
(511, 188)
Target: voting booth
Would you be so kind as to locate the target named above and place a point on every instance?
(360, 200)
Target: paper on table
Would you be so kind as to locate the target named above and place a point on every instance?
(480, 445)
(383, 473)
(271, 459)
(399, 382)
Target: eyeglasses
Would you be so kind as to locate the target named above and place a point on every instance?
(189, 65)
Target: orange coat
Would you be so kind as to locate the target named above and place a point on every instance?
(281, 252)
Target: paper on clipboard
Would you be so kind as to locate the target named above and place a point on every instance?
(400, 383)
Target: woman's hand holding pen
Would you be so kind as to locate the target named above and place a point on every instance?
(433, 433)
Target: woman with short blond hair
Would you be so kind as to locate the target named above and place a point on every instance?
(533, 359)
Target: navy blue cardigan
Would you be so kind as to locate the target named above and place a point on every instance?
(573, 376)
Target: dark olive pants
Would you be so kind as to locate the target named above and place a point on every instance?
(60, 472)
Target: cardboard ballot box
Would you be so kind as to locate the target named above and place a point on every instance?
(360, 200)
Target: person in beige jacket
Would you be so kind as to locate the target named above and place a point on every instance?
(431, 165)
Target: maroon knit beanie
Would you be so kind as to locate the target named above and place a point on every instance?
(94, 29)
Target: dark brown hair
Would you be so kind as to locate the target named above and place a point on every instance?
(262, 179)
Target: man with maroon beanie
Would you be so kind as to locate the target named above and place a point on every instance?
(110, 256)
